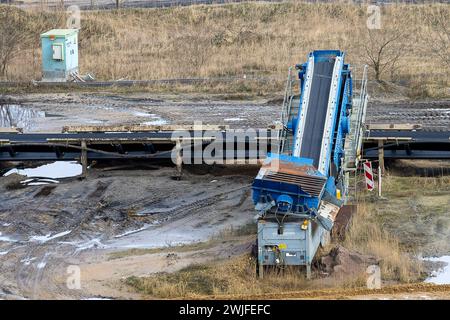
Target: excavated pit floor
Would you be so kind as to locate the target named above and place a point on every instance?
(46, 228)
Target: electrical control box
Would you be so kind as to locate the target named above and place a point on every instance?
(59, 54)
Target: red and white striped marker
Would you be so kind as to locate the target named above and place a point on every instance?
(369, 175)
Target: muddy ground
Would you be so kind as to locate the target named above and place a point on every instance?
(44, 229)
(50, 112)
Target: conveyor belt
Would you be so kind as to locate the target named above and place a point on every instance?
(120, 145)
(40, 146)
(407, 144)
(44, 137)
(317, 110)
(418, 135)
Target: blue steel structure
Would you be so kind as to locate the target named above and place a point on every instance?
(299, 191)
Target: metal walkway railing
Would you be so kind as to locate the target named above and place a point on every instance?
(353, 141)
(286, 134)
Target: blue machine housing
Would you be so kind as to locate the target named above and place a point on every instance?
(297, 191)
(272, 191)
(266, 190)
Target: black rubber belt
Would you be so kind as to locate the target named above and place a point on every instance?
(317, 109)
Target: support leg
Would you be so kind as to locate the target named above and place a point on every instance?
(84, 159)
(381, 156)
(260, 271)
(308, 271)
(179, 159)
(308, 248)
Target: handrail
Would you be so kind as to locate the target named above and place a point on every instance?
(357, 121)
(362, 109)
(286, 110)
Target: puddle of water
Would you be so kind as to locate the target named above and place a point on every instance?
(27, 261)
(55, 170)
(233, 119)
(94, 243)
(132, 231)
(18, 116)
(85, 245)
(441, 276)
(156, 238)
(95, 121)
(6, 238)
(144, 114)
(3, 253)
(48, 237)
(443, 110)
(155, 120)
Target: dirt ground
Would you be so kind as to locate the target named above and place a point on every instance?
(395, 292)
(50, 112)
(46, 229)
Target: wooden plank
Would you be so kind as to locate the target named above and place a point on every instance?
(156, 128)
(143, 128)
(394, 126)
(276, 126)
(388, 138)
(11, 130)
(126, 140)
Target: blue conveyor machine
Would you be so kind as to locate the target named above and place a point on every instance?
(299, 191)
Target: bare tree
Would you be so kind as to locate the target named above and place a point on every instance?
(383, 49)
(437, 34)
(13, 25)
(118, 3)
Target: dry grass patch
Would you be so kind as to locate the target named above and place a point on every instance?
(260, 39)
(368, 236)
(232, 277)
(411, 220)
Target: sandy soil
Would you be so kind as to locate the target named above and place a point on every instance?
(415, 291)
